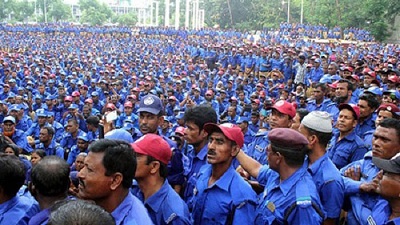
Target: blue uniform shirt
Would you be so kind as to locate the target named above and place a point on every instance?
(349, 149)
(257, 148)
(365, 126)
(53, 149)
(131, 211)
(42, 218)
(329, 185)
(230, 200)
(18, 210)
(166, 207)
(298, 193)
(196, 161)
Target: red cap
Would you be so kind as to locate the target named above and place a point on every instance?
(76, 94)
(285, 108)
(132, 97)
(354, 108)
(233, 98)
(348, 68)
(334, 84)
(153, 145)
(128, 104)
(231, 131)
(355, 77)
(389, 107)
(180, 130)
(89, 100)
(172, 98)
(110, 106)
(371, 73)
(309, 65)
(68, 98)
(256, 101)
(260, 85)
(136, 89)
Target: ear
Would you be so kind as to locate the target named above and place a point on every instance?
(203, 134)
(160, 120)
(355, 123)
(235, 150)
(155, 167)
(32, 189)
(312, 139)
(116, 181)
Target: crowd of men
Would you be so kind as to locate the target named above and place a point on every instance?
(188, 127)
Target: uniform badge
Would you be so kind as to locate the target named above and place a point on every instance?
(148, 101)
(195, 191)
(271, 206)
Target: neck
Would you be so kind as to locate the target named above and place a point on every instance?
(200, 145)
(150, 185)
(47, 202)
(47, 143)
(218, 171)
(319, 101)
(395, 206)
(344, 134)
(112, 202)
(75, 134)
(287, 172)
(315, 153)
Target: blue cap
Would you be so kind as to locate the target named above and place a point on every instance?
(375, 90)
(325, 79)
(73, 106)
(119, 134)
(41, 113)
(180, 115)
(95, 93)
(37, 97)
(151, 104)
(242, 119)
(49, 97)
(50, 114)
(14, 107)
(317, 60)
(11, 95)
(127, 126)
(336, 77)
(83, 137)
(9, 118)
(177, 108)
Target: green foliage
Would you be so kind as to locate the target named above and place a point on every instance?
(59, 11)
(94, 13)
(129, 19)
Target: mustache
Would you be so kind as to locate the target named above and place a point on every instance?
(143, 126)
(82, 183)
(211, 152)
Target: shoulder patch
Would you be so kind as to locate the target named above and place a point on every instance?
(303, 201)
(371, 220)
(170, 218)
(241, 204)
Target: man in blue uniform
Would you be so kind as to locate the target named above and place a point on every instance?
(220, 193)
(290, 195)
(345, 146)
(48, 143)
(163, 204)
(14, 209)
(49, 183)
(197, 139)
(14, 135)
(359, 175)
(106, 178)
(317, 128)
(368, 103)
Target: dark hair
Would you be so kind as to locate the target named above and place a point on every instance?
(79, 212)
(322, 86)
(12, 174)
(118, 158)
(163, 167)
(200, 115)
(349, 84)
(74, 121)
(14, 147)
(323, 138)
(49, 129)
(371, 100)
(50, 176)
(40, 152)
(302, 113)
(93, 120)
(392, 124)
(292, 157)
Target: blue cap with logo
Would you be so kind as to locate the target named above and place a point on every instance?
(151, 104)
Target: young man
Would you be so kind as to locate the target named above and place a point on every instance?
(221, 194)
(164, 205)
(106, 178)
(345, 146)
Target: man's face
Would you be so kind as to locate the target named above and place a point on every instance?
(67, 104)
(254, 119)
(385, 143)
(318, 94)
(346, 121)
(193, 135)
(42, 120)
(342, 90)
(41, 89)
(382, 114)
(365, 110)
(279, 120)
(82, 145)
(72, 127)
(232, 111)
(367, 80)
(272, 158)
(93, 183)
(79, 163)
(148, 123)
(220, 149)
(331, 70)
(143, 168)
(128, 110)
(44, 135)
(389, 186)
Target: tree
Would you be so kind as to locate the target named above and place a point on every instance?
(94, 13)
(129, 19)
(59, 11)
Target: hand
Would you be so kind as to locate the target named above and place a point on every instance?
(369, 187)
(353, 173)
(243, 173)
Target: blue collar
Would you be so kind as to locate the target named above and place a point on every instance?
(287, 185)
(157, 199)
